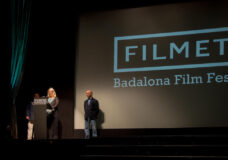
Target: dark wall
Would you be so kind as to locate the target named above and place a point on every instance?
(50, 61)
(5, 69)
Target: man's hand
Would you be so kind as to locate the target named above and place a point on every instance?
(27, 117)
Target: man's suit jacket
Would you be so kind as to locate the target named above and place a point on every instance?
(92, 109)
(29, 111)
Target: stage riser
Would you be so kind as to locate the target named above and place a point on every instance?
(200, 145)
(110, 133)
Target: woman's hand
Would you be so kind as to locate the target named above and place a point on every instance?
(49, 111)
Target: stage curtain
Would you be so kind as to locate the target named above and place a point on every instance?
(20, 12)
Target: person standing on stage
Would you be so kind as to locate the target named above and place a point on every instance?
(30, 118)
(91, 107)
(52, 111)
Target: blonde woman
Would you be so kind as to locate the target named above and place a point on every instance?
(52, 111)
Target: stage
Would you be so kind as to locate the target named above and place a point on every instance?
(163, 144)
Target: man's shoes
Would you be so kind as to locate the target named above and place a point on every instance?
(94, 136)
(87, 137)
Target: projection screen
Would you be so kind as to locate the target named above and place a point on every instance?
(161, 66)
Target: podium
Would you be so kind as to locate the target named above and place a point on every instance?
(40, 118)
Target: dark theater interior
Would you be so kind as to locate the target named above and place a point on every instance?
(140, 79)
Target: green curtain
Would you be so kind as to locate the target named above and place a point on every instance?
(20, 28)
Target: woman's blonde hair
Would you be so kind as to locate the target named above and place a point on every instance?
(51, 89)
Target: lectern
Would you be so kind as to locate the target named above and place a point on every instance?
(40, 118)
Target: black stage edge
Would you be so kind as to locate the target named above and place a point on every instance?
(107, 133)
(162, 144)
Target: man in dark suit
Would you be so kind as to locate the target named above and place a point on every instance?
(30, 117)
(91, 107)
